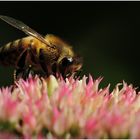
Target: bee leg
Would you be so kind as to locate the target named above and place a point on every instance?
(77, 75)
(46, 68)
(30, 70)
(24, 73)
(44, 64)
(27, 71)
(20, 66)
(16, 73)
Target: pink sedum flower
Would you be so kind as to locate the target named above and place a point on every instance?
(57, 108)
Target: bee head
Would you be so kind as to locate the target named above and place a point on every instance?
(70, 65)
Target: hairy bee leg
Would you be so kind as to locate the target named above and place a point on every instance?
(78, 74)
(22, 60)
(14, 74)
(46, 68)
(24, 73)
(17, 72)
(44, 64)
(27, 71)
(20, 65)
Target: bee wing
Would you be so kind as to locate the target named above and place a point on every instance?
(23, 27)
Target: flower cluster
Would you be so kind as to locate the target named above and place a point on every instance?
(57, 108)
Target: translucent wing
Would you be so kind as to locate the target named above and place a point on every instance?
(23, 27)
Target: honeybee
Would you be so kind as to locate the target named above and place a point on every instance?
(49, 54)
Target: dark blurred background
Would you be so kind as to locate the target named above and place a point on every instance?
(106, 34)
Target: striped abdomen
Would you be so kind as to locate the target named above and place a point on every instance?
(10, 52)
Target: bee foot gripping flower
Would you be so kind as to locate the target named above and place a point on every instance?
(70, 108)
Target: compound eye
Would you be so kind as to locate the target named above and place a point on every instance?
(66, 61)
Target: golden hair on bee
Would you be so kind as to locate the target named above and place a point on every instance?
(48, 54)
